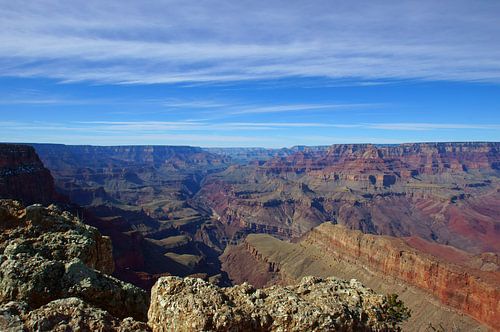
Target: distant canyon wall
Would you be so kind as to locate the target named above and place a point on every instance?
(24, 177)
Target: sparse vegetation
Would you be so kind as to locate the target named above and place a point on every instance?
(394, 310)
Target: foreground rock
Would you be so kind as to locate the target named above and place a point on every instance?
(69, 314)
(312, 305)
(48, 256)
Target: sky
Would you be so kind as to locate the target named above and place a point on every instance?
(249, 73)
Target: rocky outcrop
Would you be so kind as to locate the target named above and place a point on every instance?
(48, 255)
(312, 305)
(24, 177)
(52, 234)
(68, 314)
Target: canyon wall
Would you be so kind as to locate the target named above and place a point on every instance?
(471, 291)
(402, 161)
(443, 192)
(24, 177)
(141, 196)
(428, 277)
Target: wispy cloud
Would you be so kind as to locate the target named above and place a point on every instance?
(205, 133)
(177, 41)
(127, 126)
(429, 126)
(299, 107)
(200, 125)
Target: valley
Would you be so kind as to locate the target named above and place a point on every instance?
(415, 219)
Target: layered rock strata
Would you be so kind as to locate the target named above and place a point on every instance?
(431, 279)
(443, 192)
(140, 197)
(469, 290)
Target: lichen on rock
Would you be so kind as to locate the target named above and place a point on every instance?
(314, 304)
(58, 268)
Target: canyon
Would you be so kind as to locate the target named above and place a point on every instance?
(417, 270)
(140, 197)
(54, 276)
(417, 219)
(442, 192)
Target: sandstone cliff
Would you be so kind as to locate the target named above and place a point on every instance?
(398, 161)
(24, 177)
(312, 305)
(474, 292)
(430, 278)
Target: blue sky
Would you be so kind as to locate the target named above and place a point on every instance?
(249, 73)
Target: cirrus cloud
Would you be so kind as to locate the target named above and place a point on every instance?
(148, 42)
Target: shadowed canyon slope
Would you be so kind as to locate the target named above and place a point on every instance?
(24, 177)
(140, 196)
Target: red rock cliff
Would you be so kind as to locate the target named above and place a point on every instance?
(471, 291)
(388, 163)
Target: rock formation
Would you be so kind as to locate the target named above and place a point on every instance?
(443, 192)
(52, 279)
(24, 177)
(47, 255)
(418, 270)
(469, 290)
(312, 305)
(68, 314)
(173, 210)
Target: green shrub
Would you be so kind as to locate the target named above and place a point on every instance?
(394, 311)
